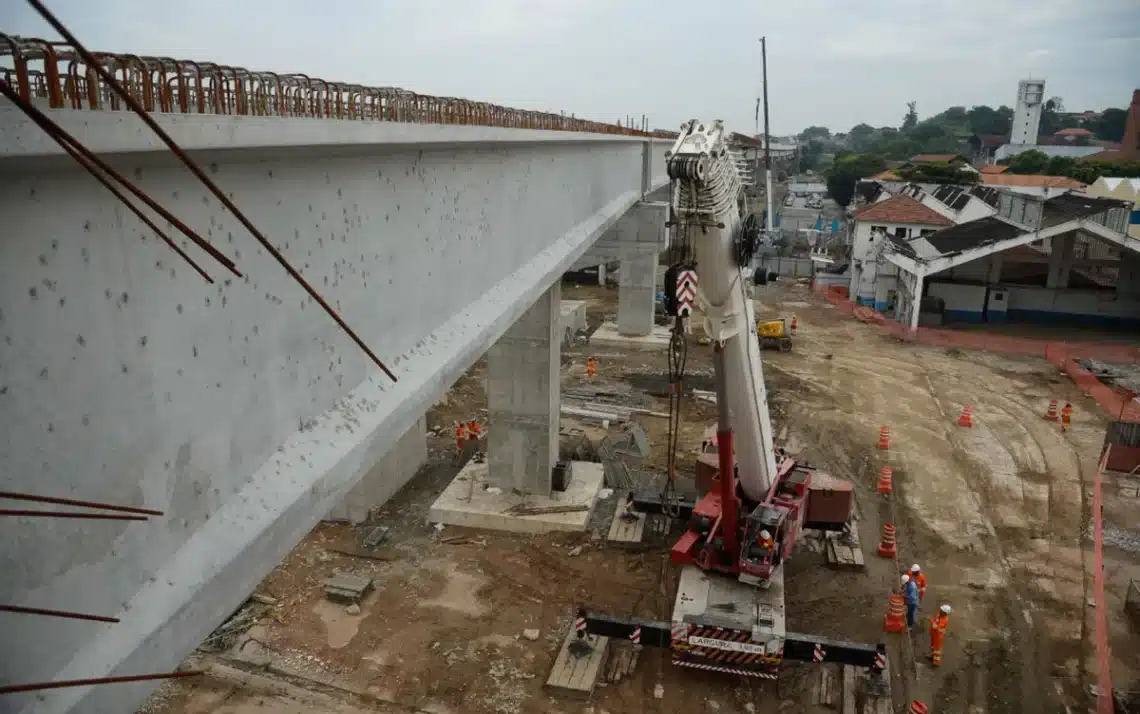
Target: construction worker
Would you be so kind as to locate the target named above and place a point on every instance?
(765, 541)
(919, 579)
(910, 596)
(473, 430)
(938, 625)
(591, 367)
(460, 436)
(1066, 416)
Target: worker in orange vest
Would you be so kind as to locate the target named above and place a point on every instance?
(919, 579)
(1066, 416)
(460, 436)
(765, 541)
(591, 367)
(938, 625)
(473, 430)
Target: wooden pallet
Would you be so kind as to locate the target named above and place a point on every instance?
(622, 661)
(575, 674)
(843, 551)
(623, 531)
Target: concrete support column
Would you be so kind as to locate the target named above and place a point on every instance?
(1128, 275)
(637, 289)
(385, 473)
(1060, 261)
(915, 303)
(993, 272)
(523, 399)
(602, 274)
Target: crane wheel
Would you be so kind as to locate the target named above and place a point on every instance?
(785, 345)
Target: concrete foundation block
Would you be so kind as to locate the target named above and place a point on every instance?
(572, 319)
(608, 336)
(473, 501)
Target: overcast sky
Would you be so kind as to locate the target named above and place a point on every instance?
(830, 62)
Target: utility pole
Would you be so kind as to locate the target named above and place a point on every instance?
(767, 138)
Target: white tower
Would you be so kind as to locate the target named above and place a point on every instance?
(1027, 116)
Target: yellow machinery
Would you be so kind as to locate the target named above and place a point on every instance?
(774, 334)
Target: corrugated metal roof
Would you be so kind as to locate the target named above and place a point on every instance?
(971, 235)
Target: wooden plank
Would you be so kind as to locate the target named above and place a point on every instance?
(573, 675)
(848, 689)
(626, 531)
(844, 552)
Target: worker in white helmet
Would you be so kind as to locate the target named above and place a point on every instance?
(938, 625)
(765, 541)
(919, 579)
(910, 595)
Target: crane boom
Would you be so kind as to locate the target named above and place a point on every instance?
(709, 205)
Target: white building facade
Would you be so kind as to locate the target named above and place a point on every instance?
(874, 279)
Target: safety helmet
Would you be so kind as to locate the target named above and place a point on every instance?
(914, 568)
(905, 579)
(765, 534)
(945, 609)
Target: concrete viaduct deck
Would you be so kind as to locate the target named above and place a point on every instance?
(240, 409)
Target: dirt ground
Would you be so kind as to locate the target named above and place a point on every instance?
(998, 516)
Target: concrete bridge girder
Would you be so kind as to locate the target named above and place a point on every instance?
(240, 409)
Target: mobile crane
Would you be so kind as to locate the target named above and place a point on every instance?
(729, 610)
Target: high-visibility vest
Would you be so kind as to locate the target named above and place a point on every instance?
(939, 622)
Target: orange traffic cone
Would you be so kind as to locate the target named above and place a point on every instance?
(967, 418)
(885, 480)
(917, 707)
(884, 437)
(887, 546)
(1051, 415)
(896, 613)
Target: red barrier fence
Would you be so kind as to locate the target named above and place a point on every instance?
(1062, 354)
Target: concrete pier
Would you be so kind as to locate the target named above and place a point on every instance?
(523, 399)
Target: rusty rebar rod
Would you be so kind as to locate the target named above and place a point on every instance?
(21, 610)
(89, 160)
(70, 514)
(17, 688)
(13, 496)
(94, 63)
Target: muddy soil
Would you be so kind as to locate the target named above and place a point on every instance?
(996, 514)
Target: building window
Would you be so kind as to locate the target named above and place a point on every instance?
(1135, 219)
(925, 232)
(900, 232)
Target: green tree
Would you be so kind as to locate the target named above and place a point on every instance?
(1060, 166)
(938, 172)
(845, 172)
(910, 119)
(815, 132)
(983, 119)
(1029, 162)
(860, 137)
(810, 155)
(1053, 119)
(1109, 126)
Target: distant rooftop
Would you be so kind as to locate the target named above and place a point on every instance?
(902, 209)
